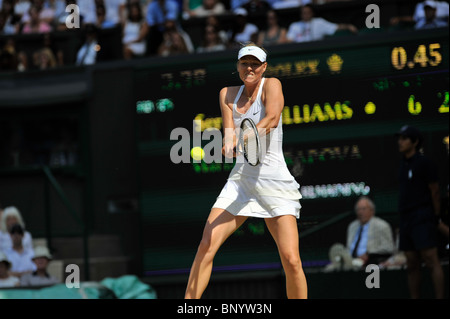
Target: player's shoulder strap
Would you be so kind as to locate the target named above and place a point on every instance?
(238, 95)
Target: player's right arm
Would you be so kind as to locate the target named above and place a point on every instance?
(229, 136)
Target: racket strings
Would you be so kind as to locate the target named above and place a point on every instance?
(250, 144)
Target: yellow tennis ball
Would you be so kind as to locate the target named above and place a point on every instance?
(197, 153)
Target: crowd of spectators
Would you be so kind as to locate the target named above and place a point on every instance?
(155, 27)
(21, 264)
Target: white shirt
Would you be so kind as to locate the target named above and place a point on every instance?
(316, 29)
(11, 281)
(5, 241)
(21, 262)
(22, 7)
(219, 8)
(246, 34)
(87, 54)
(131, 32)
(112, 10)
(87, 11)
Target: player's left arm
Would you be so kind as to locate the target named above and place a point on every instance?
(273, 100)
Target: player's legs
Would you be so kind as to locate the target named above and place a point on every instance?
(285, 233)
(219, 226)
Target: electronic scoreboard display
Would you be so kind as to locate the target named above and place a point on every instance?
(344, 101)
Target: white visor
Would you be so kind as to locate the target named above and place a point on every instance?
(253, 50)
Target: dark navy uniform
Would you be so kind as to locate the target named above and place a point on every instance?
(417, 218)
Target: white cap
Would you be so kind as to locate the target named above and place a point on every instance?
(253, 50)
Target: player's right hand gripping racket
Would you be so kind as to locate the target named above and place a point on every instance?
(249, 143)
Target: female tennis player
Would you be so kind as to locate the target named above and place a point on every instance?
(267, 190)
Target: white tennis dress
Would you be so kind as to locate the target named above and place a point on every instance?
(268, 189)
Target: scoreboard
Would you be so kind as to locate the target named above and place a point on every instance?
(344, 101)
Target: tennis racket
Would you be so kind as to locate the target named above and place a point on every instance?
(249, 143)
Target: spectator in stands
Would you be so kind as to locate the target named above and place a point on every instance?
(54, 48)
(9, 20)
(188, 6)
(58, 7)
(45, 59)
(285, 4)
(256, 7)
(234, 4)
(173, 44)
(158, 13)
(430, 20)
(19, 256)
(46, 13)
(214, 21)
(87, 11)
(39, 277)
(11, 216)
(419, 19)
(12, 60)
(35, 24)
(172, 25)
(311, 28)
(89, 51)
(115, 10)
(208, 7)
(60, 19)
(8, 62)
(274, 33)
(21, 7)
(135, 31)
(211, 40)
(6, 279)
(369, 239)
(179, 4)
(242, 31)
(102, 20)
(3, 19)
